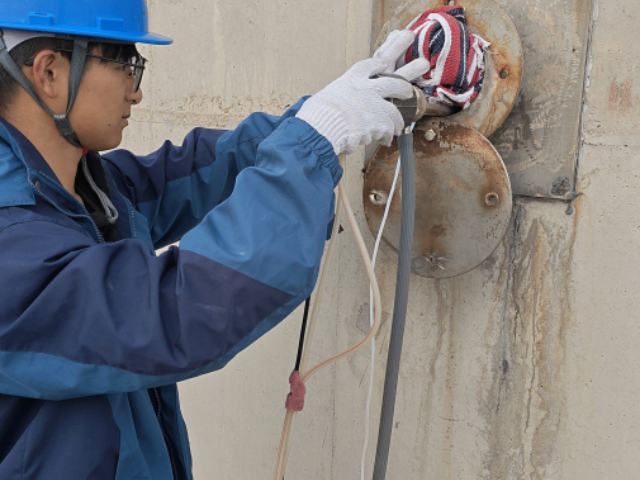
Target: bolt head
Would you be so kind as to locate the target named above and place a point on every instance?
(491, 199)
(379, 198)
(430, 135)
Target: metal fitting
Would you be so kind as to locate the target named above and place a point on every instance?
(378, 198)
(491, 199)
(436, 259)
(430, 136)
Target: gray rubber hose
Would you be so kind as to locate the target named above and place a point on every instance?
(405, 143)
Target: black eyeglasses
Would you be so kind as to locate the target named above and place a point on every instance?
(137, 67)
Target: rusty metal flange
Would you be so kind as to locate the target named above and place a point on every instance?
(503, 62)
(463, 199)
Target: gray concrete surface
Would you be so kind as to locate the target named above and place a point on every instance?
(524, 368)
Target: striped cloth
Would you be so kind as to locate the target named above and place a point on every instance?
(455, 53)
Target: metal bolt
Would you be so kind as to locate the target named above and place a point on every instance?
(378, 198)
(561, 186)
(436, 259)
(430, 136)
(491, 199)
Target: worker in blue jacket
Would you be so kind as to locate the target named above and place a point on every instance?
(95, 329)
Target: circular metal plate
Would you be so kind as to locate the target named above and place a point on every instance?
(503, 62)
(463, 199)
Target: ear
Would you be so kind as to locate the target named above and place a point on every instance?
(50, 75)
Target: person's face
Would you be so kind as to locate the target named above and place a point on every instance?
(103, 104)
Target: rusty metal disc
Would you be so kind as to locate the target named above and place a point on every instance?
(503, 62)
(463, 199)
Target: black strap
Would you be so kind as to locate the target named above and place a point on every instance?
(303, 329)
(78, 59)
(91, 200)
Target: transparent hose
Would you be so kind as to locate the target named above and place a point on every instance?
(285, 439)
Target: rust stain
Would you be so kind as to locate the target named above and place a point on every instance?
(437, 230)
(578, 205)
(620, 96)
(503, 77)
(496, 181)
(525, 406)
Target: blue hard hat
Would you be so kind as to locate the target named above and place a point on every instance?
(118, 20)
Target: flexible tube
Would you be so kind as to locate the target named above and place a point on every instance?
(373, 340)
(405, 142)
(289, 419)
(285, 439)
(374, 284)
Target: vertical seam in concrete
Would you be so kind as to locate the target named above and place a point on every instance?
(503, 356)
(529, 440)
(372, 11)
(376, 16)
(513, 255)
(533, 369)
(585, 108)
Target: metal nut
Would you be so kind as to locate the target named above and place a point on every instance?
(561, 186)
(491, 199)
(378, 198)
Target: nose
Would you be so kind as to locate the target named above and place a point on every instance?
(134, 97)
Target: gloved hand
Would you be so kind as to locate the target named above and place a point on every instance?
(352, 110)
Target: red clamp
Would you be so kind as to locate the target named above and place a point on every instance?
(295, 399)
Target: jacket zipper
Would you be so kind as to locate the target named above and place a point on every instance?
(94, 228)
(157, 405)
(158, 410)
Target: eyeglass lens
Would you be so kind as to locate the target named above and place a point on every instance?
(138, 70)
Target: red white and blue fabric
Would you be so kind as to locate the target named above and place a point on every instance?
(455, 53)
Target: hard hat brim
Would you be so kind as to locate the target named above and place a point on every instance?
(94, 33)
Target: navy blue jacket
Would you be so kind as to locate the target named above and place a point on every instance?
(94, 335)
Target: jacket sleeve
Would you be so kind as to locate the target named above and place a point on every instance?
(79, 318)
(175, 186)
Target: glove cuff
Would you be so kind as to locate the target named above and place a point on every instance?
(329, 120)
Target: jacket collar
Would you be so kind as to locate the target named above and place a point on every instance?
(21, 165)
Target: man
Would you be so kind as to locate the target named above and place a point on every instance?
(95, 329)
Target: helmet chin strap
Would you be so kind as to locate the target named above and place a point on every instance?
(78, 59)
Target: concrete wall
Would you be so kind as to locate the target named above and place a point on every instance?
(526, 367)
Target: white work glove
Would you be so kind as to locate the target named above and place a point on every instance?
(352, 110)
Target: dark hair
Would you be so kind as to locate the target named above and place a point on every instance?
(30, 48)
(116, 51)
